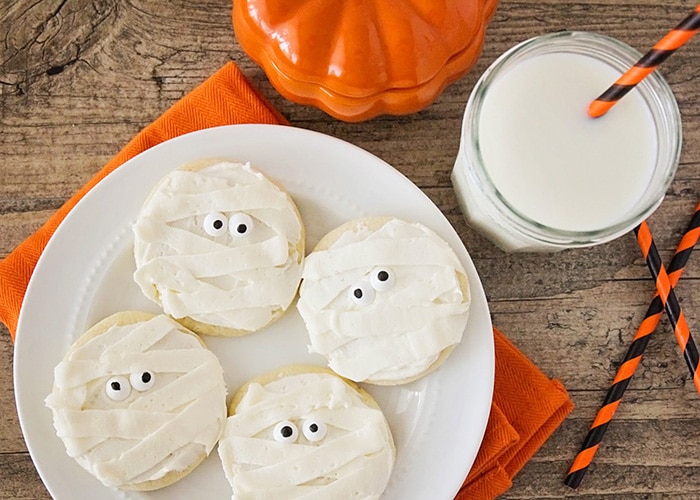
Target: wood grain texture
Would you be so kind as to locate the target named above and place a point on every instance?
(78, 79)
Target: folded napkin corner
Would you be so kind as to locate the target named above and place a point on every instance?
(527, 408)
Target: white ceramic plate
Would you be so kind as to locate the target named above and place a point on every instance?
(85, 274)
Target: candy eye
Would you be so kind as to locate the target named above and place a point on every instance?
(142, 380)
(118, 388)
(382, 279)
(314, 429)
(362, 294)
(241, 225)
(215, 224)
(286, 432)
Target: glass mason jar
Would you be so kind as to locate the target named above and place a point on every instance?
(494, 196)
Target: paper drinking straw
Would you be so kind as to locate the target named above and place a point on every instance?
(668, 297)
(673, 40)
(632, 358)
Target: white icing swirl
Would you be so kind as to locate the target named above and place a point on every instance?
(210, 275)
(354, 458)
(404, 328)
(152, 432)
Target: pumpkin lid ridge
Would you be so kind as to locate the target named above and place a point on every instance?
(361, 49)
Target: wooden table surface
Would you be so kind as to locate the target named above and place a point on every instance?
(79, 79)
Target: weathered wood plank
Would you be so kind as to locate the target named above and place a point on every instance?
(18, 478)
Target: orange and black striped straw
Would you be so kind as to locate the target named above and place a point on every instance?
(671, 304)
(632, 358)
(673, 40)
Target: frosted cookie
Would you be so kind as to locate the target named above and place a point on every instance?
(304, 432)
(219, 246)
(384, 300)
(138, 401)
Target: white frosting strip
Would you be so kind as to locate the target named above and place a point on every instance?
(253, 295)
(151, 432)
(116, 423)
(403, 319)
(283, 222)
(126, 425)
(378, 252)
(229, 199)
(270, 253)
(247, 319)
(434, 283)
(401, 350)
(142, 337)
(192, 182)
(400, 331)
(316, 462)
(354, 460)
(260, 404)
(190, 386)
(409, 320)
(77, 373)
(179, 460)
(159, 237)
(152, 449)
(235, 282)
(364, 488)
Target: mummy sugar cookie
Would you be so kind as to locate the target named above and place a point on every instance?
(303, 432)
(384, 300)
(138, 401)
(219, 246)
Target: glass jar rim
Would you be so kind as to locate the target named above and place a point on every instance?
(657, 94)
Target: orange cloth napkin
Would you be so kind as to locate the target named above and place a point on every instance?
(527, 405)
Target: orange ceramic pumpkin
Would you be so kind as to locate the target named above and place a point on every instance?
(356, 59)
